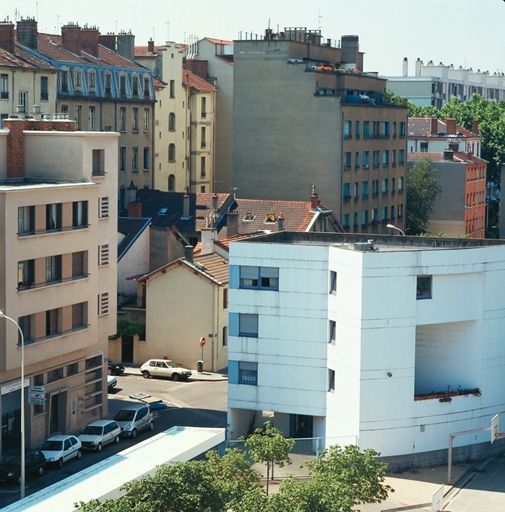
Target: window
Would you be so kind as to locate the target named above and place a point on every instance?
(103, 254)
(366, 159)
(376, 128)
(38, 380)
(93, 362)
(78, 116)
(331, 380)
(26, 273)
(79, 264)
(171, 183)
(53, 216)
(332, 329)
(347, 129)
(171, 152)
(386, 128)
(135, 86)
(92, 118)
(135, 125)
(357, 129)
(54, 375)
(356, 190)
(53, 323)
(53, 269)
(122, 119)
(375, 188)
(364, 189)
(44, 88)
(346, 221)
(248, 325)
(204, 106)
(172, 88)
(400, 183)
(347, 160)
(135, 158)
(261, 278)
(225, 337)
(25, 324)
(122, 85)
(147, 88)
(77, 79)
(384, 185)
(366, 129)
(147, 119)
(171, 122)
(4, 86)
(248, 373)
(347, 190)
(202, 167)
(375, 215)
(147, 161)
(79, 315)
(333, 282)
(108, 84)
(402, 128)
(92, 82)
(202, 189)
(402, 156)
(424, 147)
(72, 369)
(98, 162)
(64, 81)
(400, 211)
(103, 207)
(356, 160)
(423, 290)
(392, 215)
(122, 158)
(26, 220)
(203, 137)
(225, 298)
(385, 158)
(103, 303)
(384, 214)
(364, 218)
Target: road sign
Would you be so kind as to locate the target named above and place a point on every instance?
(37, 395)
(437, 503)
(495, 428)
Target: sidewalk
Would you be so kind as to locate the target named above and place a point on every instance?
(195, 376)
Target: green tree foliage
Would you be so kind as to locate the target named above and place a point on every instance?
(129, 328)
(268, 445)
(422, 189)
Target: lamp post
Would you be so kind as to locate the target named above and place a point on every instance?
(392, 226)
(22, 476)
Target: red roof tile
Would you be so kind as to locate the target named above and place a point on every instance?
(215, 265)
(421, 127)
(213, 40)
(20, 58)
(189, 78)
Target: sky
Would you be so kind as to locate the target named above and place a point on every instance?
(466, 32)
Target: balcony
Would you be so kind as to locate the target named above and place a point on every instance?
(34, 232)
(33, 286)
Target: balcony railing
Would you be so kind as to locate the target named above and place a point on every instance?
(49, 231)
(31, 286)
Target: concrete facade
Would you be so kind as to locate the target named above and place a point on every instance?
(392, 345)
(57, 272)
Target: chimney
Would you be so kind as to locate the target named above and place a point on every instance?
(419, 63)
(27, 32)
(314, 199)
(135, 209)
(188, 253)
(349, 49)
(451, 126)
(89, 40)
(7, 36)
(475, 126)
(232, 223)
(448, 154)
(280, 222)
(150, 46)
(125, 45)
(108, 40)
(405, 66)
(208, 236)
(434, 126)
(185, 206)
(71, 38)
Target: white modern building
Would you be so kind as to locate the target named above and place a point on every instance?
(392, 344)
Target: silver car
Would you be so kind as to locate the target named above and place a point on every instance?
(99, 433)
(133, 419)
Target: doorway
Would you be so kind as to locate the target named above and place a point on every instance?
(127, 349)
(301, 426)
(58, 412)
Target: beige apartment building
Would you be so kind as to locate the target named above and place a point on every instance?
(58, 231)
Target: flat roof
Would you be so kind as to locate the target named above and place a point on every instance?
(26, 184)
(381, 243)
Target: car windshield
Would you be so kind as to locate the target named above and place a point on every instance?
(92, 430)
(52, 446)
(10, 458)
(124, 415)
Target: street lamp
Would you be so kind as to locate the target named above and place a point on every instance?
(392, 226)
(22, 476)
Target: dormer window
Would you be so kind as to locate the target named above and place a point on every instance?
(270, 218)
(122, 85)
(163, 211)
(108, 84)
(135, 86)
(77, 79)
(92, 82)
(248, 217)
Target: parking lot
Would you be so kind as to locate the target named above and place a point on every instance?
(200, 404)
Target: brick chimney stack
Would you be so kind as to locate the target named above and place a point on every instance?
(90, 37)
(71, 38)
(314, 198)
(150, 46)
(451, 126)
(7, 36)
(108, 40)
(27, 32)
(434, 126)
(125, 45)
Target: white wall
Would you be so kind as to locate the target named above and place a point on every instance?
(133, 263)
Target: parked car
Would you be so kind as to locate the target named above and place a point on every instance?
(99, 433)
(134, 419)
(115, 368)
(10, 465)
(59, 449)
(164, 368)
(111, 382)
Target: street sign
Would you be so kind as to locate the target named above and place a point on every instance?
(437, 503)
(37, 395)
(495, 428)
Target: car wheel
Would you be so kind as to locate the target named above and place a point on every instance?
(176, 376)
(116, 439)
(40, 472)
(146, 374)
(151, 425)
(134, 433)
(99, 447)
(60, 463)
(79, 454)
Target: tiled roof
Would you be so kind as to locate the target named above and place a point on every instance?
(421, 127)
(204, 207)
(213, 264)
(131, 228)
(195, 81)
(21, 58)
(226, 241)
(143, 51)
(213, 40)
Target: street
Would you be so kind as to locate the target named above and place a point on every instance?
(199, 404)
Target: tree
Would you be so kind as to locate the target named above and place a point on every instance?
(268, 445)
(129, 328)
(422, 189)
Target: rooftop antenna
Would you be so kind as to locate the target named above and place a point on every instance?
(116, 26)
(16, 14)
(319, 20)
(37, 10)
(268, 23)
(168, 30)
(154, 39)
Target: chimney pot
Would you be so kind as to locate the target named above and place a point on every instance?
(71, 38)
(188, 253)
(232, 223)
(27, 32)
(451, 126)
(434, 126)
(7, 36)
(150, 46)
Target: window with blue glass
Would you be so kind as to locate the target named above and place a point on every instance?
(260, 278)
(248, 325)
(248, 373)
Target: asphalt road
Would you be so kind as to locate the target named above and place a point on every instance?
(485, 492)
(198, 404)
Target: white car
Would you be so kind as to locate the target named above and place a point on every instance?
(111, 382)
(59, 449)
(99, 433)
(133, 419)
(164, 368)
